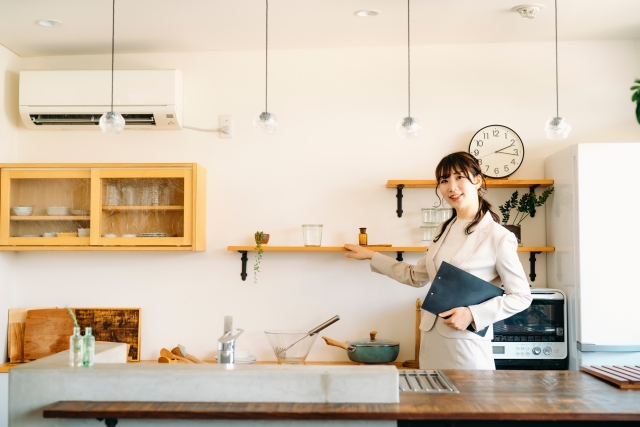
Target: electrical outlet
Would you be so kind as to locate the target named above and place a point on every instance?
(226, 127)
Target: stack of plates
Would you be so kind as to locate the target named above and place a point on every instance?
(58, 211)
(83, 232)
(80, 212)
(29, 235)
(22, 210)
(156, 234)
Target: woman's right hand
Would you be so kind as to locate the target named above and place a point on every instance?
(358, 252)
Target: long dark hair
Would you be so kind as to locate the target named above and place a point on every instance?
(467, 165)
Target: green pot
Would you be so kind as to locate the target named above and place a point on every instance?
(370, 352)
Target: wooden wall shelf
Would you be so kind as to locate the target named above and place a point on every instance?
(533, 251)
(400, 184)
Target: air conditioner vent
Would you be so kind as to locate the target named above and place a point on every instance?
(88, 119)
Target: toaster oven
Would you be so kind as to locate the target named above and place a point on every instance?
(535, 338)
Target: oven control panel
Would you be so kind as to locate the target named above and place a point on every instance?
(529, 350)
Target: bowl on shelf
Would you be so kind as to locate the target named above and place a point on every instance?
(129, 235)
(300, 343)
(58, 211)
(50, 234)
(80, 212)
(22, 210)
(109, 235)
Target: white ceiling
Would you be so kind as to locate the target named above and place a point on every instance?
(208, 25)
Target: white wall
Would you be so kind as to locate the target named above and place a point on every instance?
(10, 67)
(334, 150)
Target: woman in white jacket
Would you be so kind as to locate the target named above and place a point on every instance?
(474, 241)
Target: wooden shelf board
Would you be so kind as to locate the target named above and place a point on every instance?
(142, 208)
(95, 248)
(373, 248)
(491, 183)
(50, 218)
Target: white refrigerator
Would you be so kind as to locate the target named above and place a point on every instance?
(593, 220)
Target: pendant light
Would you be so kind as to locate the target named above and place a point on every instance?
(408, 127)
(557, 127)
(112, 122)
(266, 122)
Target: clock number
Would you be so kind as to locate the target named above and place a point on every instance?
(485, 135)
(515, 150)
(506, 168)
(476, 152)
(480, 162)
(496, 132)
(479, 143)
(513, 162)
(496, 171)
(487, 170)
(505, 135)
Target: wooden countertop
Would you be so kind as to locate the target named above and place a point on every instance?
(484, 395)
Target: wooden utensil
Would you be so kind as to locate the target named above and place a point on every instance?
(16, 342)
(415, 364)
(166, 353)
(178, 352)
(163, 359)
(46, 332)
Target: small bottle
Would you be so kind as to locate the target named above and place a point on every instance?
(76, 348)
(89, 348)
(362, 237)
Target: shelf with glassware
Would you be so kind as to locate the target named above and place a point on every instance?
(400, 185)
(131, 207)
(533, 251)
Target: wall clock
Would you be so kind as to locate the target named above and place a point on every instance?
(498, 149)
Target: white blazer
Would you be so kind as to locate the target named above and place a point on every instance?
(489, 253)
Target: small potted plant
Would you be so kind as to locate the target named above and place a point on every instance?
(261, 239)
(636, 97)
(524, 207)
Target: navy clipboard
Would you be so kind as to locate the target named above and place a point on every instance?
(454, 287)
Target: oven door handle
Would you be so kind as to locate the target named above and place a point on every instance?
(611, 348)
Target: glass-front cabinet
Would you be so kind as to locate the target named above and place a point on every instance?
(143, 207)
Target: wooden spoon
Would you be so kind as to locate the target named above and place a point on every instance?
(166, 353)
(163, 359)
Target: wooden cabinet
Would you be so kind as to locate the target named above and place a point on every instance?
(102, 207)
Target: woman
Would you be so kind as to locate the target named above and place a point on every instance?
(474, 241)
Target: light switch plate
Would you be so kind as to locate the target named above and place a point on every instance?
(226, 121)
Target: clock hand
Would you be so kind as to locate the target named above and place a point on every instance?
(509, 146)
(508, 154)
(498, 151)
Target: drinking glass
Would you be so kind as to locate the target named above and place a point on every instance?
(312, 234)
(129, 195)
(443, 214)
(112, 195)
(428, 232)
(429, 215)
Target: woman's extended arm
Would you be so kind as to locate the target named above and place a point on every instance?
(412, 275)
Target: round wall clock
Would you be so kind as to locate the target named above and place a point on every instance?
(498, 149)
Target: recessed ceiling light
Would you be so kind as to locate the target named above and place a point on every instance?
(367, 13)
(48, 23)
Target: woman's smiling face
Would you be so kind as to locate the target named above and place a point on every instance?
(459, 192)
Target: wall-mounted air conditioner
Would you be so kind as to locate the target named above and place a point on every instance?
(75, 99)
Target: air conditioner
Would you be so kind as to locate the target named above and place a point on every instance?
(76, 99)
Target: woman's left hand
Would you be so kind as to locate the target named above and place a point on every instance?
(458, 318)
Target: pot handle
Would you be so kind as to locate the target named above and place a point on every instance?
(335, 343)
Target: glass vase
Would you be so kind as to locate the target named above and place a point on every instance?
(89, 348)
(76, 348)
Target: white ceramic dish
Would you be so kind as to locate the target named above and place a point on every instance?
(129, 235)
(109, 235)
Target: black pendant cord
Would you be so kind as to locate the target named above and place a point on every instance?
(409, 55)
(266, 59)
(557, 102)
(113, 32)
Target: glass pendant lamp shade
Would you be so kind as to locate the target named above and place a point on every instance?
(557, 128)
(112, 122)
(265, 123)
(408, 128)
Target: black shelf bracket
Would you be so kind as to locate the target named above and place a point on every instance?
(399, 197)
(109, 422)
(399, 256)
(532, 190)
(244, 259)
(532, 269)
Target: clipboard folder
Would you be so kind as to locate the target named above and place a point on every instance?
(454, 287)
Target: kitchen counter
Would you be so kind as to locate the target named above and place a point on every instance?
(569, 396)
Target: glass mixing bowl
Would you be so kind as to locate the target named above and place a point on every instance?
(291, 346)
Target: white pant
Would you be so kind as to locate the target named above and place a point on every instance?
(440, 352)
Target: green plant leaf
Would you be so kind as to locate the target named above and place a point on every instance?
(635, 96)
(635, 87)
(638, 113)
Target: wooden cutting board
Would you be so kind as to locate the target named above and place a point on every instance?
(113, 325)
(625, 377)
(46, 332)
